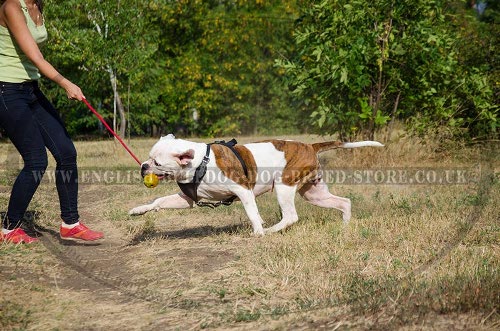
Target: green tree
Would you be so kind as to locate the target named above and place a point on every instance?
(106, 47)
(479, 57)
(360, 64)
(218, 63)
(204, 66)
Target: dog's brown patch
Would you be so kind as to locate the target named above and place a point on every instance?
(231, 166)
(302, 163)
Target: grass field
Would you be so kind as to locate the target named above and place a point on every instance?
(415, 256)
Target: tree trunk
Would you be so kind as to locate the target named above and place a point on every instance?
(118, 103)
(112, 76)
(121, 111)
(393, 115)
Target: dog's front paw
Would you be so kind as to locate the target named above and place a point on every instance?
(139, 210)
(258, 233)
(269, 230)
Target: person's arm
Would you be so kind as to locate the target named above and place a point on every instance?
(16, 23)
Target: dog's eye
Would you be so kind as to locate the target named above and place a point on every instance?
(156, 163)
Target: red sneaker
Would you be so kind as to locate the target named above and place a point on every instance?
(80, 232)
(17, 236)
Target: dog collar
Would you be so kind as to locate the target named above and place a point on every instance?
(191, 189)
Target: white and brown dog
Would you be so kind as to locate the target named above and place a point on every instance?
(244, 172)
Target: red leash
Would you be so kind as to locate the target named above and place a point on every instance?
(111, 130)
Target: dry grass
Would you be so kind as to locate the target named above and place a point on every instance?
(413, 256)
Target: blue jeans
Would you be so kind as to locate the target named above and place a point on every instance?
(32, 124)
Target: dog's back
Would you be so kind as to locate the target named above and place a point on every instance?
(297, 161)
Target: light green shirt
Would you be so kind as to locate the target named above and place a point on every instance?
(14, 65)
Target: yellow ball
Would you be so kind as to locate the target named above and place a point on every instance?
(151, 180)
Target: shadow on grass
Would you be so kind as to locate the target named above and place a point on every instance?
(27, 223)
(196, 232)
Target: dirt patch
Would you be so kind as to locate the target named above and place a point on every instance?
(198, 259)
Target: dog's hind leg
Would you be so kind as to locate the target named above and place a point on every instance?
(286, 200)
(174, 201)
(318, 194)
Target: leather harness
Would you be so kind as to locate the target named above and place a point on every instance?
(191, 189)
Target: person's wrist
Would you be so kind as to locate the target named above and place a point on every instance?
(61, 80)
(64, 83)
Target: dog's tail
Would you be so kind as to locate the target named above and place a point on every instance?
(321, 147)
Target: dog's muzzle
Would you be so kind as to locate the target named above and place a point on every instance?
(147, 169)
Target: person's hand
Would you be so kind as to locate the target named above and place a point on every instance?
(72, 91)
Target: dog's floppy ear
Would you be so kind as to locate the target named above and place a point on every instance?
(184, 158)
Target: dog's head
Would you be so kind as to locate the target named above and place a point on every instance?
(169, 158)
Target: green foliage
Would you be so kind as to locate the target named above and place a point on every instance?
(458, 90)
(91, 40)
(216, 68)
(205, 67)
(360, 64)
(219, 62)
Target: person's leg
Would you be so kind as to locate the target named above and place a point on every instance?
(17, 120)
(59, 143)
(62, 148)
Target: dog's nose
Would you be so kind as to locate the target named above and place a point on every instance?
(144, 167)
